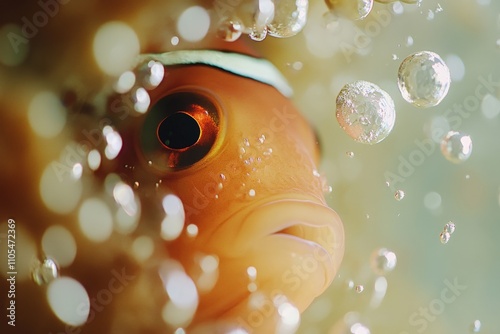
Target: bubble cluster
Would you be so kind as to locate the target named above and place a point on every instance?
(383, 261)
(365, 112)
(456, 147)
(282, 19)
(448, 230)
(424, 79)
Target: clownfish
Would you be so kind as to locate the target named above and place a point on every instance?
(222, 134)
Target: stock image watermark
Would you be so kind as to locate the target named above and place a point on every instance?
(119, 281)
(31, 25)
(11, 272)
(421, 318)
(364, 37)
(424, 148)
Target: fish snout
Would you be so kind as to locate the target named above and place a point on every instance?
(307, 232)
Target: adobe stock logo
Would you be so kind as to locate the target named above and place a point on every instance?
(421, 318)
(30, 27)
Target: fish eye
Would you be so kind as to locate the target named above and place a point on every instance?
(180, 130)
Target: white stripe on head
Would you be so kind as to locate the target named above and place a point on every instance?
(245, 66)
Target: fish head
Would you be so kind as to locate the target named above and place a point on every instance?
(243, 161)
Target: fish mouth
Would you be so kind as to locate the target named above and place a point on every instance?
(301, 219)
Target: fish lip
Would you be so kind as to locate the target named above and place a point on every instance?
(304, 218)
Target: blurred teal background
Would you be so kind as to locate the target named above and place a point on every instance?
(466, 34)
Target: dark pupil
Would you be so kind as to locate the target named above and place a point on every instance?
(179, 131)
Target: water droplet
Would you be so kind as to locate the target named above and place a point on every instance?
(69, 301)
(456, 147)
(230, 30)
(192, 230)
(424, 79)
(383, 261)
(258, 35)
(359, 288)
(365, 112)
(125, 82)
(399, 195)
(252, 273)
(44, 272)
(193, 32)
(409, 41)
(449, 227)
(151, 74)
(476, 326)
(290, 17)
(444, 237)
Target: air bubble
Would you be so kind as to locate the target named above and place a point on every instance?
(399, 195)
(449, 227)
(290, 17)
(456, 147)
(383, 261)
(444, 237)
(230, 30)
(44, 272)
(350, 154)
(476, 326)
(424, 79)
(359, 288)
(365, 112)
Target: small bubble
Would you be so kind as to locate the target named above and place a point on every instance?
(399, 195)
(365, 112)
(444, 237)
(359, 288)
(395, 56)
(383, 261)
(44, 272)
(476, 326)
(350, 284)
(136, 185)
(456, 147)
(424, 79)
(467, 176)
(449, 227)
(251, 193)
(350, 154)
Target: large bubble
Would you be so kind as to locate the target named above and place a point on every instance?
(365, 112)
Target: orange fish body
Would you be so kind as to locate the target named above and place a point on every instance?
(248, 181)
